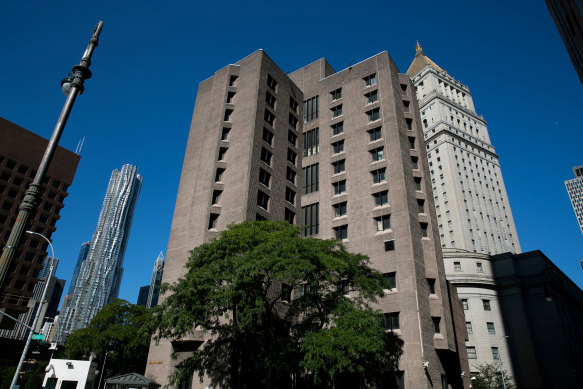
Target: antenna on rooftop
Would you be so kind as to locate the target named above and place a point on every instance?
(79, 146)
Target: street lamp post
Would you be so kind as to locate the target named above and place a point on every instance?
(72, 87)
(38, 311)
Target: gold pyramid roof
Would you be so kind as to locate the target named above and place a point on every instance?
(420, 62)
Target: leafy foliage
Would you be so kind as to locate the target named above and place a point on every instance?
(238, 289)
(118, 329)
(489, 377)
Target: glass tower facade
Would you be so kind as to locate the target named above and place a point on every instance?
(100, 273)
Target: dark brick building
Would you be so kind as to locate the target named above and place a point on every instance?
(20, 154)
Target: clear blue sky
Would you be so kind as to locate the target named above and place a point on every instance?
(138, 106)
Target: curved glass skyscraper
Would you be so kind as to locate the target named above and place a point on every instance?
(100, 274)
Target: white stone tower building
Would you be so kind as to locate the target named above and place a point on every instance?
(472, 207)
(473, 212)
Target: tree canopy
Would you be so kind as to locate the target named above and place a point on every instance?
(276, 306)
(119, 329)
(490, 377)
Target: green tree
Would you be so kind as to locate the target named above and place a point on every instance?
(275, 307)
(120, 330)
(490, 377)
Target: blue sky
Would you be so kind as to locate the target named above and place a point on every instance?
(138, 106)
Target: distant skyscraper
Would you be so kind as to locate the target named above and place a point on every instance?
(473, 212)
(82, 257)
(100, 274)
(575, 190)
(143, 295)
(156, 281)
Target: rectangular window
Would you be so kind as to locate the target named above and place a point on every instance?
(375, 134)
(292, 137)
(412, 142)
(213, 217)
(465, 304)
(216, 196)
(290, 195)
(262, 199)
(371, 97)
(311, 219)
(228, 113)
(495, 353)
(266, 155)
(222, 152)
(420, 204)
(269, 117)
(271, 82)
(381, 198)
(336, 94)
(290, 175)
(232, 80)
(415, 162)
(338, 147)
(383, 222)
(219, 174)
(339, 209)
(431, 284)
(417, 183)
(391, 280)
(409, 124)
(486, 304)
(479, 267)
(310, 109)
(389, 245)
(469, 327)
(378, 175)
(264, 177)
(267, 135)
(491, 329)
(293, 104)
(391, 321)
(339, 187)
(230, 96)
(471, 352)
(311, 142)
(457, 266)
(436, 326)
(373, 114)
(336, 111)
(293, 121)
(339, 166)
(377, 154)
(341, 232)
(338, 128)
(291, 156)
(310, 178)
(289, 216)
(423, 229)
(269, 99)
(406, 105)
(286, 291)
(404, 88)
(370, 80)
(224, 135)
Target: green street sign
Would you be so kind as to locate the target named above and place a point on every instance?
(38, 336)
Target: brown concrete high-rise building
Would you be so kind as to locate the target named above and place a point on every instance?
(349, 164)
(20, 154)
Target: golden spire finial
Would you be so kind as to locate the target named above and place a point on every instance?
(418, 49)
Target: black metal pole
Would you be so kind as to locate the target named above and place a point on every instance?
(76, 79)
